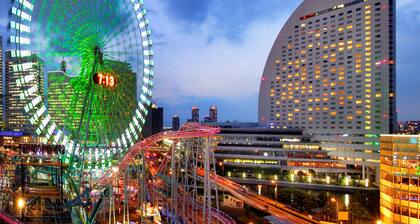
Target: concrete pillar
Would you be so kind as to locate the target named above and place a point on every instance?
(363, 172)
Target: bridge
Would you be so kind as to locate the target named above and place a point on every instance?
(169, 177)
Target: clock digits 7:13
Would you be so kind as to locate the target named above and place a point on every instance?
(104, 79)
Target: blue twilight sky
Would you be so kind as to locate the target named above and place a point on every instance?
(213, 52)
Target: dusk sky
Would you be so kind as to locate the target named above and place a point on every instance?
(212, 52)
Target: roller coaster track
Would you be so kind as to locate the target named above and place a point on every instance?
(4, 217)
(195, 130)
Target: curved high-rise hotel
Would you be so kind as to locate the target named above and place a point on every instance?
(331, 72)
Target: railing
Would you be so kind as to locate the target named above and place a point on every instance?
(190, 130)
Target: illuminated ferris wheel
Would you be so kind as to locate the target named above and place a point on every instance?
(97, 62)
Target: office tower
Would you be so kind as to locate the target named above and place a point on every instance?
(1, 84)
(59, 102)
(65, 101)
(157, 119)
(331, 72)
(154, 121)
(399, 185)
(195, 114)
(22, 73)
(175, 123)
(213, 114)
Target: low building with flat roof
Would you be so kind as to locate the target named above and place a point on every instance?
(263, 154)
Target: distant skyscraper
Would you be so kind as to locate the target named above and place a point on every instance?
(213, 114)
(195, 114)
(22, 73)
(154, 121)
(212, 118)
(175, 123)
(1, 84)
(157, 120)
(331, 72)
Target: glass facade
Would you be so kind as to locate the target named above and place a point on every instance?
(399, 183)
(24, 82)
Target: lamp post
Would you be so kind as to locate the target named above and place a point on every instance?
(275, 189)
(21, 205)
(336, 202)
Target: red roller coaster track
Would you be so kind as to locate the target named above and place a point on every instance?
(196, 130)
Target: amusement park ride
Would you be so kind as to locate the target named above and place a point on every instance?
(92, 165)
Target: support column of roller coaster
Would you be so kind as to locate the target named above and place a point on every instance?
(177, 177)
(163, 169)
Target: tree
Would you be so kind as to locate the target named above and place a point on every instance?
(322, 201)
(312, 172)
(285, 173)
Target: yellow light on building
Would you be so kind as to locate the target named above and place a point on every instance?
(397, 152)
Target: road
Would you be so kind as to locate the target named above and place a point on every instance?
(259, 202)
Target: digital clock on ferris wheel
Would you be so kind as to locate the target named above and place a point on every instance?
(104, 79)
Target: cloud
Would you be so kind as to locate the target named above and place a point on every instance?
(227, 18)
(205, 63)
(408, 52)
(403, 3)
(192, 12)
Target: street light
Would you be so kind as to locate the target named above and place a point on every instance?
(21, 204)
(275, 189)
(336, 202)
(379, 222)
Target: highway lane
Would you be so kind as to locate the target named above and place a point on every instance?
(260, 202)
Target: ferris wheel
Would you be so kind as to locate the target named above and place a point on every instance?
(96, 60)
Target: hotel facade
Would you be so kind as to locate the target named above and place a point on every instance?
(331, 73)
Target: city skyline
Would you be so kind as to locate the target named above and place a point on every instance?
(255, 30)
(184, 111)
(260, 30)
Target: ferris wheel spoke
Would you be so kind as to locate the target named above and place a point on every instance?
(118, 31)
(89, 115)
